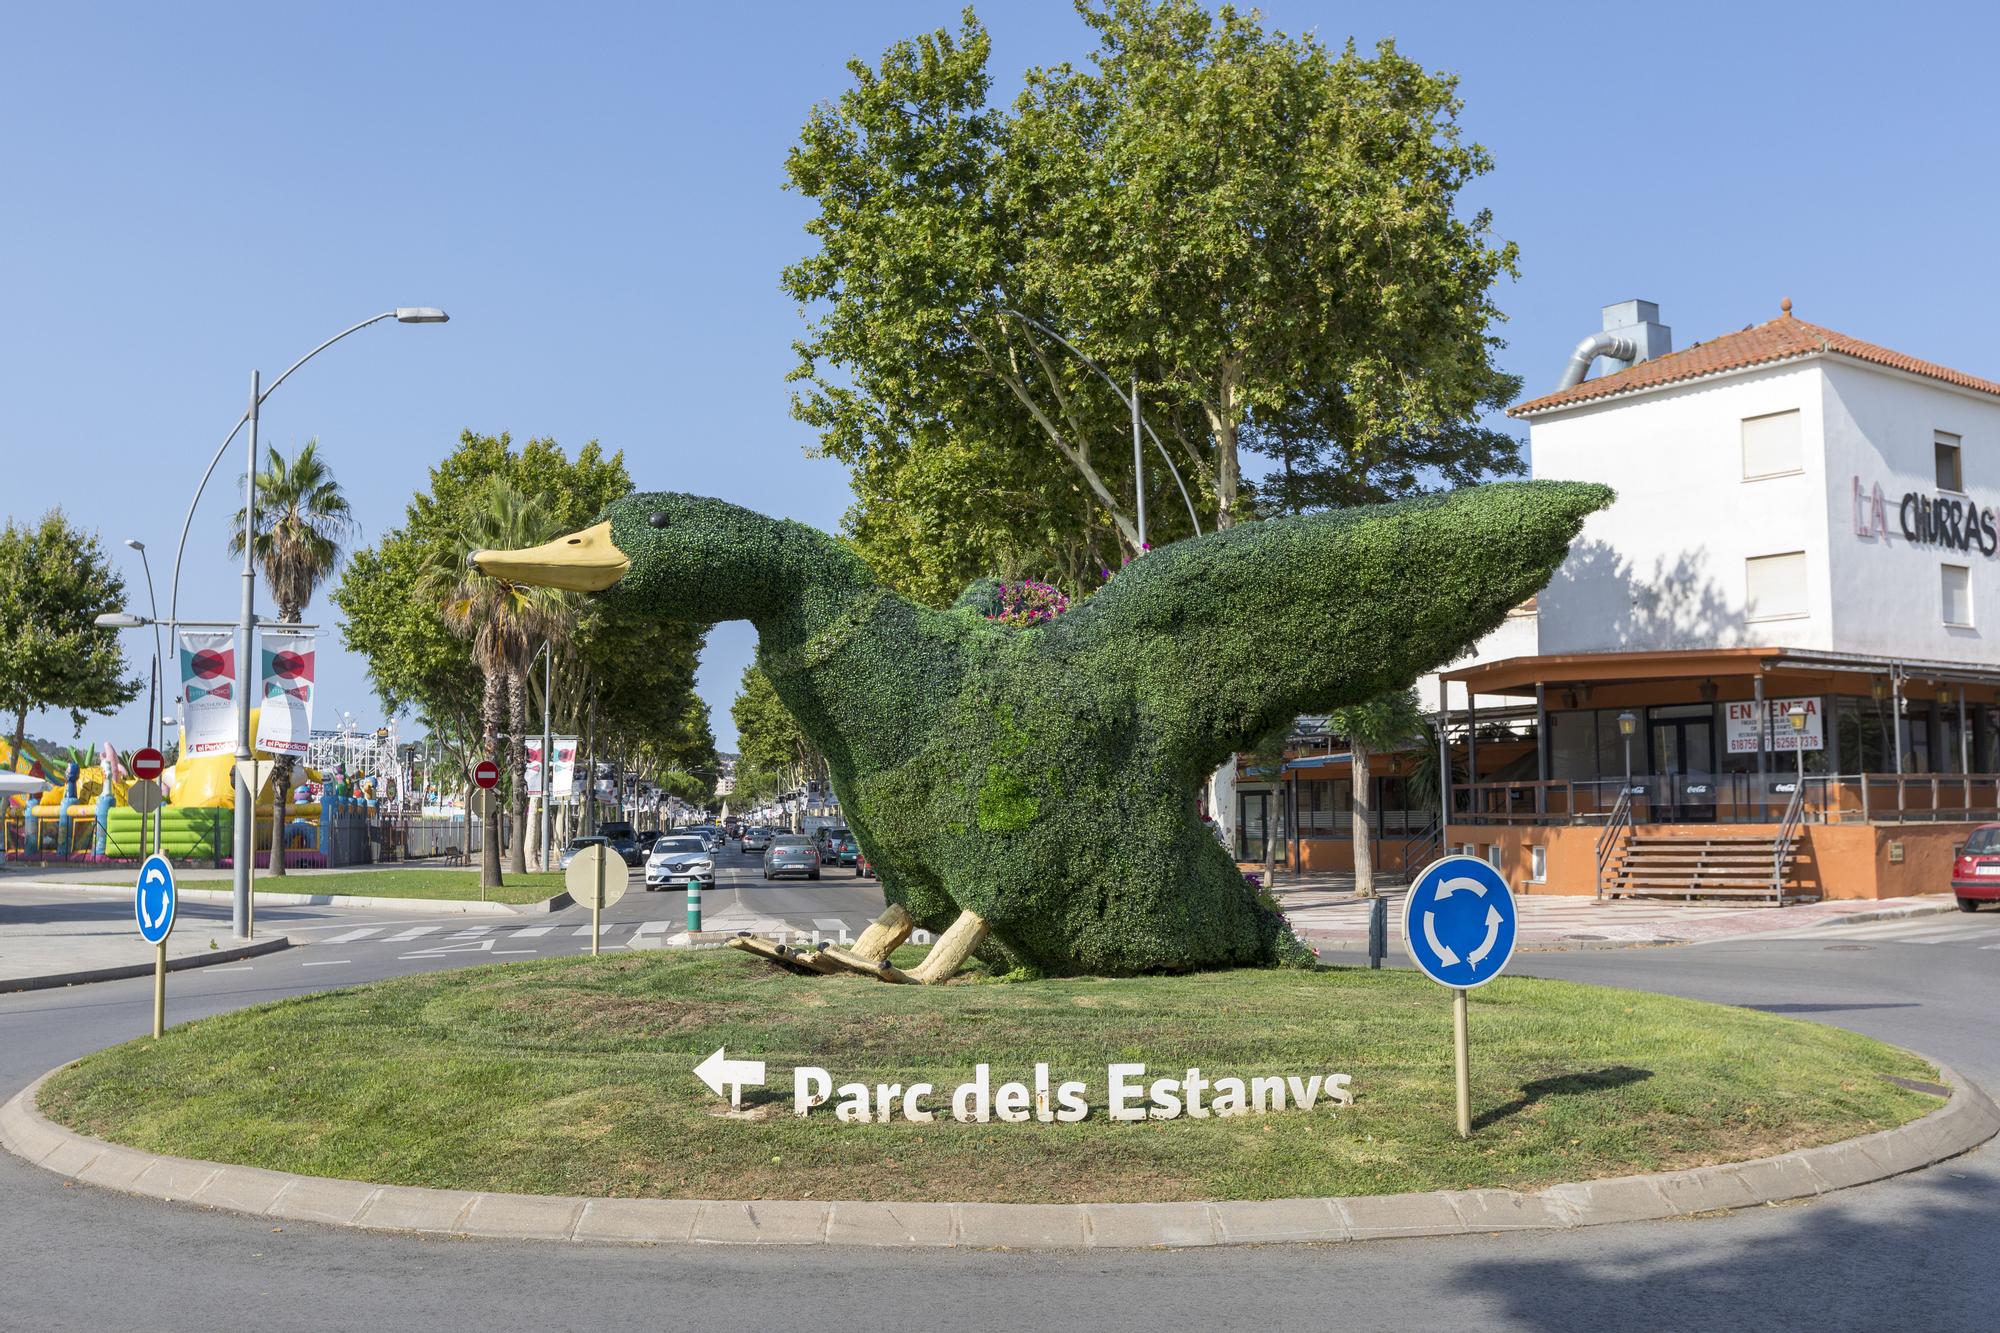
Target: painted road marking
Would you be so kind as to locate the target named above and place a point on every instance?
(245, 968)
(650, 928)
(531, 932)
(353, 935)
(468, 934)
(328, 962)
(410, 934)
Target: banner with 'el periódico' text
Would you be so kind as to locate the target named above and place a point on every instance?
(208, 691)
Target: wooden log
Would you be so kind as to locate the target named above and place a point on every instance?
(952, 949)
(886, 935)
(774, 953)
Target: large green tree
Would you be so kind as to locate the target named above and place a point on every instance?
(1264, 232)
(54, 583)
(775, 754)
(621, 682)
(302, 523)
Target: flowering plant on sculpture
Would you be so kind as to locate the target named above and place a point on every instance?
(1029, 602)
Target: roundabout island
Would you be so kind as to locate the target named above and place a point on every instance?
(577, 1078)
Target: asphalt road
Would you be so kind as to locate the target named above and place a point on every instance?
(1914, 1253)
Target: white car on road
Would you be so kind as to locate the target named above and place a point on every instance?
(677, 858)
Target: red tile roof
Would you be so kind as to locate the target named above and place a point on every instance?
(1783, 338)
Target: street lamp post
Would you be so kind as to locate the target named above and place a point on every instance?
(246, 626)
(152, 690)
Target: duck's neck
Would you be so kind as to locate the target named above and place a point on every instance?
(812, 585)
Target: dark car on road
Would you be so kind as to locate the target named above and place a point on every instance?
(828, 841)
(1975, 871)
(619, 836)
(791, 854)
(847, 852)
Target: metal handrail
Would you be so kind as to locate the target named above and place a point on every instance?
(1607, 841)
(1781, 847)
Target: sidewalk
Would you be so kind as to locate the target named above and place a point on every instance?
(1323, 909)
(45, 943)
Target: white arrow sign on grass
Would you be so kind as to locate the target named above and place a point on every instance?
(718, 1071)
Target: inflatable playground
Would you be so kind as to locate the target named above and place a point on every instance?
(82, 813)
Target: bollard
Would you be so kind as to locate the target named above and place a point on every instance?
(694, 904)
(1378, 931)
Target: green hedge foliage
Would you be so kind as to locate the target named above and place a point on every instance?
(1046, 777)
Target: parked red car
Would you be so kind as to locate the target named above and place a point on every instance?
(1975, 874)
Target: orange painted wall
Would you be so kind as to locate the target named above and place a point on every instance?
(1839, 860)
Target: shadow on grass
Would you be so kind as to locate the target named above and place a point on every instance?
(1563, 1085)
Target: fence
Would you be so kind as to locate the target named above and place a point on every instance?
(1737, 798)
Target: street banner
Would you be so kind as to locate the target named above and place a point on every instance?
(562, 779)
(284, 717)
(208, 687)
(1740, 726)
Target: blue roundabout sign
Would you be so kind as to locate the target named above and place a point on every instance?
(153, 898)
(1460, 922)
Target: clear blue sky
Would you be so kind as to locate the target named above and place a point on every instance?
(593, 192)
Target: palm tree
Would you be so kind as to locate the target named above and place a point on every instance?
(505, 624)
(1378, 724)
(302, 520)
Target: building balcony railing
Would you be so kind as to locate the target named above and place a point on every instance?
(1736, 798)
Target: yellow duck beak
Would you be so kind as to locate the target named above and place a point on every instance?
(587, 561)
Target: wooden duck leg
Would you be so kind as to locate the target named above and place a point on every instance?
(886, 935)
(952, 949)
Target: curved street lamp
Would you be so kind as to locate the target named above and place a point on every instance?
(1132, 402)
(246, 811)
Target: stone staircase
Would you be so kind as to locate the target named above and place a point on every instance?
(1735, 868)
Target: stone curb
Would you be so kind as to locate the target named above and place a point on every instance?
(123, 971)
(1968, 1119)
(1949, 904)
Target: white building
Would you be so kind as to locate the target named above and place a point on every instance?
(1801, 572)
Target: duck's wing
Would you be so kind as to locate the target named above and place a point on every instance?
(1227, 636)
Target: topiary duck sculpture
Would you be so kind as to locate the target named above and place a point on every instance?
(1035, 787)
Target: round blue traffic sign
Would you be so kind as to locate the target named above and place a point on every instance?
(153, 898)
(1459, 922)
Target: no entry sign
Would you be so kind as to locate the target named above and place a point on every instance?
(148, 763)
(486, 774)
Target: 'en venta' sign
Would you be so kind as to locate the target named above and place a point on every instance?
(1129, 1095)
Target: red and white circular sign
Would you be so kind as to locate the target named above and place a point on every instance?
(486, 774)
(148, 763)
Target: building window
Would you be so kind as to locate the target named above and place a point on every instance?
(1493, 855)
(1950, 477)
(1956, 584)
(1538, 863)
(1775, 586)
(1771, 446)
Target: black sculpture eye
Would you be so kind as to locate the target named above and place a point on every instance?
(658, 519)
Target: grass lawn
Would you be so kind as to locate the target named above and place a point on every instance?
(420, 883)
(575, 1076)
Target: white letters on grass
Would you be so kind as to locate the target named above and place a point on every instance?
(1129, 1096)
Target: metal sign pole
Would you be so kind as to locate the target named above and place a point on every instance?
(159, 988)
(1458, 1050)
(596, 903)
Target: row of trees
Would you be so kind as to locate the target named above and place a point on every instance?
(774, 753)
(460, 648)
